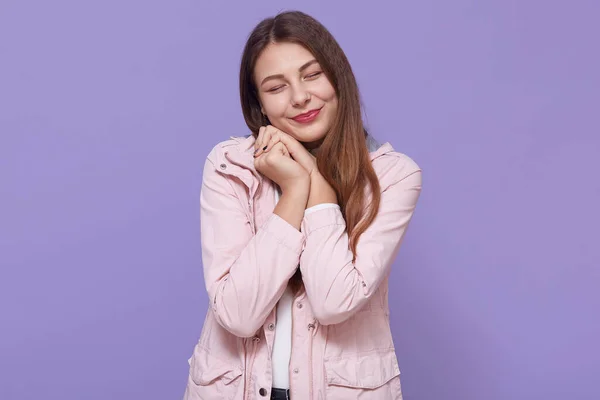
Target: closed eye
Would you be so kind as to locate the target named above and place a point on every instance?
(311, 76)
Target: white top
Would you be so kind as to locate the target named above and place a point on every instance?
(282, 346)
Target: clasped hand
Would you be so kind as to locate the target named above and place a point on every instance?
(282, 158)
(285, 161)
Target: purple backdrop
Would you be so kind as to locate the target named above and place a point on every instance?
(108, 109)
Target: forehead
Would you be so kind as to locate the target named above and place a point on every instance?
(278, 58)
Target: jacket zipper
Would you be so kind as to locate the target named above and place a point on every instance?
(312, 332)
(245, 368)
(251, 193)
(250, 366)
(255, 339)
(292, 344)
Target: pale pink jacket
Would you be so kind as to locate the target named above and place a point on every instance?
(342, 347)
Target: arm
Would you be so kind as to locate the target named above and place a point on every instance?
(336, 287)
(245, 274)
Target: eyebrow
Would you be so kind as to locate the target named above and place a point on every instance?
(280, 76)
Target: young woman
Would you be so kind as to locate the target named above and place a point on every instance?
(300, 223)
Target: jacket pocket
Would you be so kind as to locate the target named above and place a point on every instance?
(213, 378)
(374, 375)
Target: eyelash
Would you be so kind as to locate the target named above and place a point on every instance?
(313, 75)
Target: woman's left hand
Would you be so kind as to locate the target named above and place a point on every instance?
(268, 136)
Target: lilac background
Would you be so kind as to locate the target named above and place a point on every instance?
(107, 110)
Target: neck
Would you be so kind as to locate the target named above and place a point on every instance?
(313, 147)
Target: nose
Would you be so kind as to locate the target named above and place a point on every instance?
(300, 97)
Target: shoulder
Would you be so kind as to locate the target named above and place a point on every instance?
(234, 143)
(392, 167)
(220, 147)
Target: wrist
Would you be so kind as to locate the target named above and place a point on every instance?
(298, 187)
(292, 202)
(320, 191)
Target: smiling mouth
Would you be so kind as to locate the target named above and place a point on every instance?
(308, 116)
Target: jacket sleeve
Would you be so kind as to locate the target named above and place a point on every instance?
(337, 287)
(245, 273)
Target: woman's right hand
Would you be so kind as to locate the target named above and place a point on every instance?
(278, 166)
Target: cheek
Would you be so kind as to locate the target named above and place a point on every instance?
(275, 106)
(327, 93)
(330, 97)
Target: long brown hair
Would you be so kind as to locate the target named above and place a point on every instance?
(343, 158)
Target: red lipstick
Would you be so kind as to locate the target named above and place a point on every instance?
(307, 116)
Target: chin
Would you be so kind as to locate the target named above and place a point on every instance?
(311, 141)
(309, 134)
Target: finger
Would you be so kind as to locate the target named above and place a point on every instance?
(270, 138)
(275, 138)
(266, 137)
(256, 141)
(280, 148)
(261, 132)
(298, 152)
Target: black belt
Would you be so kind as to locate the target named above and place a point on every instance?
(280, 394)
